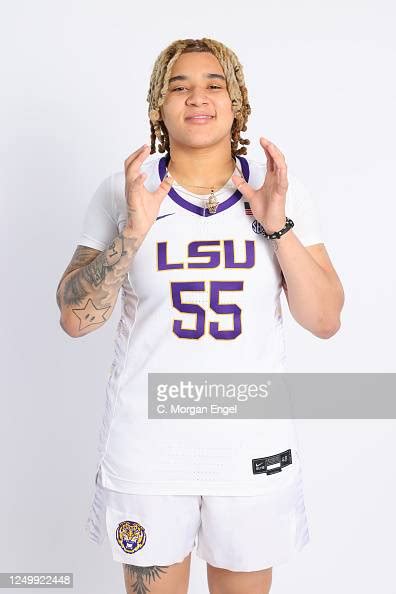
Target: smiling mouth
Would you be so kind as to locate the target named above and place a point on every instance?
(200, 118)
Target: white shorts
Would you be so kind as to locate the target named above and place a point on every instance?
(238, 533)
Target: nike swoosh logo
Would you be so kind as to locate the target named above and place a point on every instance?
(165, 215)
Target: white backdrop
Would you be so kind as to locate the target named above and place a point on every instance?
(74, 78)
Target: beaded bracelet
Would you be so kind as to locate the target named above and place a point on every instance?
(289, 224)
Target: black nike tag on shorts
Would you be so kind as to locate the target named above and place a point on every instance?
(272, 464)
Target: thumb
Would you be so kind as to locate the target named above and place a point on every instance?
(242, 185)
(164, 187)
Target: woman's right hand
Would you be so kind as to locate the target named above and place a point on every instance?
(142, 206)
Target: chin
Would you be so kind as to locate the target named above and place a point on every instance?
(198, 140)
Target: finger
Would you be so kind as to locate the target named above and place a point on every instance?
(270, 161)
(137, 182)
(244, 188)
(277, 156)
(282, 178)
(164, 187)
(134, 162)
(134, 154)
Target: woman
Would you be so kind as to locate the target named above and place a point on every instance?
(202, 240)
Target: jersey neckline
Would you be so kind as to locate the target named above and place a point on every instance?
(204, 212)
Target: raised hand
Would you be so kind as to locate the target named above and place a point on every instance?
(268, 202)
(142, 205)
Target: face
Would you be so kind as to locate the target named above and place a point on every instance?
(197, 91)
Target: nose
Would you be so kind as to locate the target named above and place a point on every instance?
(197, 97)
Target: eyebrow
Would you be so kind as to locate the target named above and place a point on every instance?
(207, 75)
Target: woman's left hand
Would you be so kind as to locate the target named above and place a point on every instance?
(268, 202)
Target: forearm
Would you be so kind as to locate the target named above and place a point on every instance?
(87, 296)
(315, 296)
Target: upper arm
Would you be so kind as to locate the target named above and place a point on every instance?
(82, 256)
(100, 223)
(303, 208)
(98, 229)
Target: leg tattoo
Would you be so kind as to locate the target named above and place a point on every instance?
(151, 573)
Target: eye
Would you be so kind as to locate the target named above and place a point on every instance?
(211, 86)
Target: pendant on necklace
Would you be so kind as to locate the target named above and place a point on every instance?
(212, 203)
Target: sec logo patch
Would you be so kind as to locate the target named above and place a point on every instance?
(257, 227)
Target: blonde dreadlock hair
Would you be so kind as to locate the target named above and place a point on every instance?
(159, 83)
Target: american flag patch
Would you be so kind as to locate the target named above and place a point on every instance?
(248, 210)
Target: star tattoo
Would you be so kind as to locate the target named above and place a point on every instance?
(90, 314)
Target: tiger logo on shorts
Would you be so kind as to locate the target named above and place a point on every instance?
(131, 536)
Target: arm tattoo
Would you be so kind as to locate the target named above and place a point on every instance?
(149, 573)
(274, 245)
(90, 314)
(94, 286)
(58, 297)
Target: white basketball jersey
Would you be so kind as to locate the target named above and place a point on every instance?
(202, 295)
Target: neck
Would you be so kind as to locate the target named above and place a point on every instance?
(207, 167)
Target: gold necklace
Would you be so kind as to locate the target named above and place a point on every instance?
(211, 203)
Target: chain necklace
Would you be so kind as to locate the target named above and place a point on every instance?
(211, 203)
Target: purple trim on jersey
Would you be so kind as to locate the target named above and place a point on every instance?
(204, 212)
